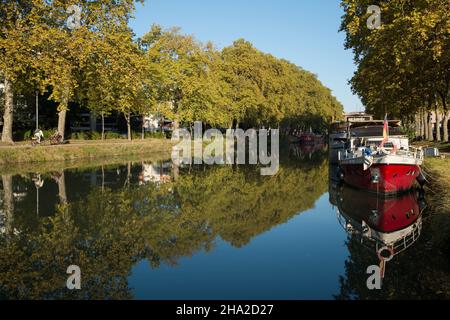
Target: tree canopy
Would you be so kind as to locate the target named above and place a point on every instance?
(102, 66)
(403, 66)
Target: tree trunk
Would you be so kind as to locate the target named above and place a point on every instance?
(7, 133)
(62, 122)
(430, 127)
(176, 172)
(438, 119)
(128, 119)
(445, 125)
(417, 126)
(61, 181)
(175, 125)
(8, 202)
(103, 126)
(422, 131)
(93, 179)
(425, 124)
(142, 128)
(445, 116)
(93, 121)
(438, 126)
(103, 179)
(62, 115)
(127, 181)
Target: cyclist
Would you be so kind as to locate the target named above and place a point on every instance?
(38, 135)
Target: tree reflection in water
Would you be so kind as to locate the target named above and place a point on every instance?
(421, 264)
(106, 225)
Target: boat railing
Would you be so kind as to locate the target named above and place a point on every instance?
(409, 239)
(412, 152)
(367, 239)
(346, 154)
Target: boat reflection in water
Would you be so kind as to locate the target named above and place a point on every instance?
(386, 226)
(334, 184)
(306, 151)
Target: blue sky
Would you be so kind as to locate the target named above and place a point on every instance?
(304, 32)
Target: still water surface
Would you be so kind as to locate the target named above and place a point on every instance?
(149, 230)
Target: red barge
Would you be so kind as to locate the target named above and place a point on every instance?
(306, 138)
(379, 162)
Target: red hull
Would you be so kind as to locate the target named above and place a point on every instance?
(393, 214)
(393, 178)
(310, 139)
(307, 138)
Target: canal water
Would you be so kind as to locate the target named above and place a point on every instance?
(146, 229)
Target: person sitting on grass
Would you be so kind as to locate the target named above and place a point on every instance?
(38, 135)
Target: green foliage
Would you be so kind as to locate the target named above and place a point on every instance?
(113, 135)
(27, 135)
(38, 51)
(268, 91)
(403, 66)
(156, 135)
(149, 135)
(240, 84)
(79, 136)
(22, 134)
(48, 133)
(410, 132)
(94, 135)
(102, 67)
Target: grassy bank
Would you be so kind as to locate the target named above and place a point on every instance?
(438, 175)
(438, 171)
(438, 200)
(79, 164)
(82, 150)
(444, 148)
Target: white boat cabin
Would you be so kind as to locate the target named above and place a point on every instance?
(370, 134)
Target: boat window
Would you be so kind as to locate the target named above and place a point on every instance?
(375, 131)
(371, 143)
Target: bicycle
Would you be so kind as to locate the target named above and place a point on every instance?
(56, 139)
(34, 142)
